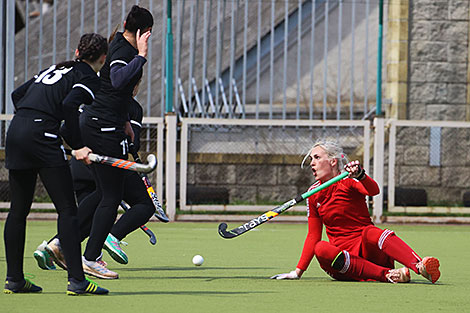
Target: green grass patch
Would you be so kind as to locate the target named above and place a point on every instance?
(234, 276)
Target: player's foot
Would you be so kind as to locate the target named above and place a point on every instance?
(113, 246)
(398, 275)
(43, 258)
(55, 251)
(86, 286)
(428, 267)
(102, 262)
(94, 268)
(24, 286)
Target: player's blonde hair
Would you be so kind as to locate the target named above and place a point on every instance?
(333, 150)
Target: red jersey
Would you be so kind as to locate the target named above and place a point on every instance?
(343, 210)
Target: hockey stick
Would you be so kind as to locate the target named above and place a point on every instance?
(227, 234)
(159, 212)
(152, 238)
(121, 163)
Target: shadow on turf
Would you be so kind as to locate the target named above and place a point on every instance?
(189, 268)
(185, 293)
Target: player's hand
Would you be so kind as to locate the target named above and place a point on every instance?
(291, 275)
(82, 155)
(355, 170)
(128, 130)
(142, 42)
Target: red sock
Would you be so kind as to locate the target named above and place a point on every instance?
(365, 270)
(391, 245)
(400, 251)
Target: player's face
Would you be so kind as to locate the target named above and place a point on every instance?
(322, 166)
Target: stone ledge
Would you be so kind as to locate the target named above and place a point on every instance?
(426, 220)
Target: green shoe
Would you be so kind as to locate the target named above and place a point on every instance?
(113, 246)
(43, 258)
(24, 286)
(84, 287)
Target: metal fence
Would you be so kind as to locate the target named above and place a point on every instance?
(151, 142)
(233, 58)
(244, 165)
(428, 167)
(266, 60)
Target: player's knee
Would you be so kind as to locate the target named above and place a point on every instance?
(148, 211)
(371, 234)
(325, 250)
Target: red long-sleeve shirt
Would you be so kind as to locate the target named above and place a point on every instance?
(342, 209)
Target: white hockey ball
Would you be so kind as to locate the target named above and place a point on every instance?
(198, 260)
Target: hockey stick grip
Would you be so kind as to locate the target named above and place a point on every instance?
(326, 184)
(121, 163)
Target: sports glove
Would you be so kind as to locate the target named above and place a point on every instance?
(358, 173)
(291, 275)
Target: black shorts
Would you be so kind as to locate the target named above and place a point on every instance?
(104, 138)
(33, 141)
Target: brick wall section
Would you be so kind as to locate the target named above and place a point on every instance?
(277, 179)
(438, 59)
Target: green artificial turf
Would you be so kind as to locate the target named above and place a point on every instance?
(234, 276)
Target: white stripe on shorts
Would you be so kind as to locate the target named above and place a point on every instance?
(50, 135)
(108, 129)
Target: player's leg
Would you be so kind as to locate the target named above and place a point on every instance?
(111, 183)
(342, 265)
(140, 212)
(58, 183)
(84, 185)
(22, 184)
(377, 241)
(141, 205)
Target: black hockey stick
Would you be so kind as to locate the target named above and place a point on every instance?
(152, 238)
(159, 212)
(227, 234)
(121, 163)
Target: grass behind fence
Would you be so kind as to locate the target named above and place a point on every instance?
(234, 276)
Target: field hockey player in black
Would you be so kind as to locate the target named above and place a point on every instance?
(134, 195)
(34, 147)
(105, 126)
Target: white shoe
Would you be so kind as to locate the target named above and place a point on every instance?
(55, 251)
(95, 268)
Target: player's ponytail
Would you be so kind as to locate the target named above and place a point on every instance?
(90, 48)
(113, 34)
(138, 18)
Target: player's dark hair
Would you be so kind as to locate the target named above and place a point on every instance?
(138, 18)
(90, 48)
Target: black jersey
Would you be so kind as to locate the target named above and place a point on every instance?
(119, 75)
(33, 139)
(51, 89)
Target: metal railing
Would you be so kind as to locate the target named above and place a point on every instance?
(289, 59)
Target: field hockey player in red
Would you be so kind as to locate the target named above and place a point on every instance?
(356, 250)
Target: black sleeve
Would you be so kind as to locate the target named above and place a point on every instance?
(121, 73)
(82, 92)
(19, 92)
